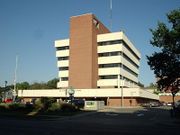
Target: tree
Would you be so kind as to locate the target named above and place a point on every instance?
(23, 86)
(166, 62)
(37, 85)
(52, 84)
(152, 86)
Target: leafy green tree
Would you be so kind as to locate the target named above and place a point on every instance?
(152, 86)
(23, 86)
(37, 85)
(166, 62)
(52, 84)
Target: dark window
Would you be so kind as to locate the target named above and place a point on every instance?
(106, 54)
(131, 61)
(63, 68)
(108, 77)
(62, 48)
(63, 58)
(112, 42)
(127, 79)
(64, 78)
(130, 71)
(109, 65)
(124, 43)
(109, 42)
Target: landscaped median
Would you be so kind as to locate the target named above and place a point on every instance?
(46, 107)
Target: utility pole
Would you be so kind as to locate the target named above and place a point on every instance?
(15, 78)
(110, 15)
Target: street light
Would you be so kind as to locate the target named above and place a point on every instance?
(71, 92)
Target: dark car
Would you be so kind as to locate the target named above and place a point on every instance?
(77, 102)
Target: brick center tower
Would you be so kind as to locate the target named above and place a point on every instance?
(83, 61)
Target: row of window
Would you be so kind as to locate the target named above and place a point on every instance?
(104, 77)
(130, 71)
(63, 68)
(106, 54)
(115, 77)
(108, 66)
(63, 58)
(64, 78)
(112, 42)
(131, 61)
(108, 77)
(62, 48)
(118, 65)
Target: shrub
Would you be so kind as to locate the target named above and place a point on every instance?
(13, 107)
(47, 102)
(44, 103)
(16, 107)
(38, 105)
(3, 107)
(67, 107)
(54, 107)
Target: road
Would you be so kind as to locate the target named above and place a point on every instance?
(111, 121)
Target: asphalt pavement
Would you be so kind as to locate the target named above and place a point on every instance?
(110, 121)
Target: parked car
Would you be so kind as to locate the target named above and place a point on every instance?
(151, 104)
(145, 104)
(163, 104)
(8, 100)
(169, 104)
(154, 104)
(77, 102)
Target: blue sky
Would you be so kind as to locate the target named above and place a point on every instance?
(29, 27)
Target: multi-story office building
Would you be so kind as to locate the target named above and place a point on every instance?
(98, 64)
(93, 57)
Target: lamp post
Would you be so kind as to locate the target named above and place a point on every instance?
(71, 94)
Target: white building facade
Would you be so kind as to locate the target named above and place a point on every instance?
(118, 61)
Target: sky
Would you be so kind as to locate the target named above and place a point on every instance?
(28, 29)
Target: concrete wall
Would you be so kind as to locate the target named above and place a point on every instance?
(127, 101)
(112, 97)
(114, 92)
(94, 105)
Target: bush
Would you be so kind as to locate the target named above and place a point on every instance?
(38, 105)
(14, 107)
(44, 103)
(67, 107)
(47, 102)
(3, 107)
(54, 107)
